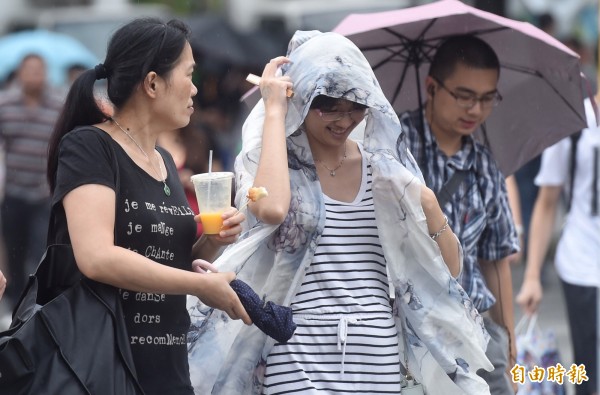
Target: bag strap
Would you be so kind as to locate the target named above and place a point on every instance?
(450, 187)
(595, 186)
(444, 195)
(572, 167)
(52, 279)
(51, 236)
(104, 293)
(526, 324)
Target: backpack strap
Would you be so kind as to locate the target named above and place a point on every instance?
(572, 165)
(451, 186)
(595, 163)
(444, 195)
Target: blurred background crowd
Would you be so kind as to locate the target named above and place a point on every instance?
(230, 38)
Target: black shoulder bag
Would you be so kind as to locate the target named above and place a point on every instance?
(68, 335)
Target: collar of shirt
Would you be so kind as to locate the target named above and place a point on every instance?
(464, 159)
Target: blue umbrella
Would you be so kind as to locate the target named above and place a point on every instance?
(60, 51)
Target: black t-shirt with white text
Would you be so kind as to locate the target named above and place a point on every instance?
(155, 225)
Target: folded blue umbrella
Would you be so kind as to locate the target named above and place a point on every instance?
(272, 319)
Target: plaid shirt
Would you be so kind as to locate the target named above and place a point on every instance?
(478, 211)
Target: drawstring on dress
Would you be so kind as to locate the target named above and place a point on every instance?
(343, 335)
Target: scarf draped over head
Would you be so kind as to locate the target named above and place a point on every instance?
(445, 335)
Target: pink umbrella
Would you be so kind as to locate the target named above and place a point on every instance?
(540, 78)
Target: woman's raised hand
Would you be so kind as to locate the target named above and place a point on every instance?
(272, 87)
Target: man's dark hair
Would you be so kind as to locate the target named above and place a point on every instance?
(468, 50)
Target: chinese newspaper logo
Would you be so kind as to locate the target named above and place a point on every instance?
(575, 375)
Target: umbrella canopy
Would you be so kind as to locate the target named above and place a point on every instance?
(60, 51)
(540, 78)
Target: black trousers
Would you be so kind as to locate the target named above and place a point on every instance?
(581, 304)
(24, 228)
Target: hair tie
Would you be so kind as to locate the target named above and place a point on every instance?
(101, 72)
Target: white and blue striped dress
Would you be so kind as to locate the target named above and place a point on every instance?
(346, 341)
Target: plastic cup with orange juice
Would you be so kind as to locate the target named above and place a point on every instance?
(213, 191)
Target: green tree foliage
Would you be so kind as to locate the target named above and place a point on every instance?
(186, 7)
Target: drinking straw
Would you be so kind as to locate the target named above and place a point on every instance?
(209, 171)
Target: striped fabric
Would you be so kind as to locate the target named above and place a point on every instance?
(25, 132)
(346, 341)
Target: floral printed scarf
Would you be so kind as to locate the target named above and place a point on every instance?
(445, 333)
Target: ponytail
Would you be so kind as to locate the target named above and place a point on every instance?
(80, 108)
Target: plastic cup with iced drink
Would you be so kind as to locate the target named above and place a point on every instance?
(213, 191)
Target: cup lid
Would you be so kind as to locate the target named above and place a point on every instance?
(215, 175)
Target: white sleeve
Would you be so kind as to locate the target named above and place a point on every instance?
(554, 169)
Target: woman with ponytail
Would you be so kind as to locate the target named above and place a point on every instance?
(118, 201)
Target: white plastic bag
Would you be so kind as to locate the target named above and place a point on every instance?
(537, 348)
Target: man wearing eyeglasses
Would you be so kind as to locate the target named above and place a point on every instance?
(461, 93)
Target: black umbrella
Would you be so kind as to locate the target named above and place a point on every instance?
(215, 38)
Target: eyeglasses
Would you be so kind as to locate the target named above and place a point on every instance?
(468, 100)
(333, 116)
